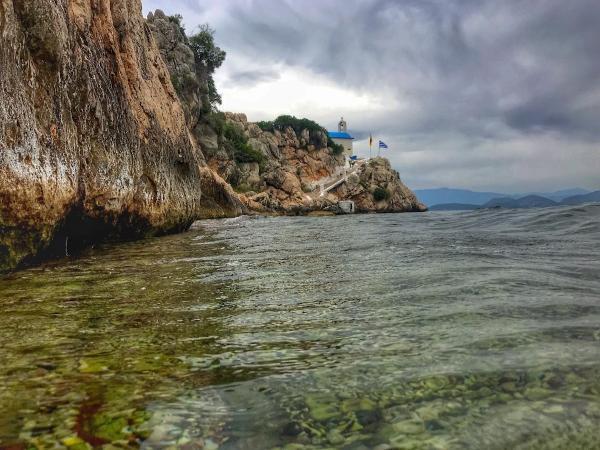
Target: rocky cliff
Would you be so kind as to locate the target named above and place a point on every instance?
(107, 132)
(295, 163)
(276, 167)
(93, 138)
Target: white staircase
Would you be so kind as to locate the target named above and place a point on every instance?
(341, 176)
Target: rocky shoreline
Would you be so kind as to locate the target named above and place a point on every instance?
(100, 139)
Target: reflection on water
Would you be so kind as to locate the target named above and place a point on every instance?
(433, 331)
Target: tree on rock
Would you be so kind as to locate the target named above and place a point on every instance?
(209, 57)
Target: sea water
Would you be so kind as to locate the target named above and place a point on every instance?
(411, 331)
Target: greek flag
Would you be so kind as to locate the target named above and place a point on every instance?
(382, 144)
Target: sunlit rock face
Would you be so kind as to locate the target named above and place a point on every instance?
(93, 138)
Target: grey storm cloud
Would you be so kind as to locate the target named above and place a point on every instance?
(252, 77)
(473, 76)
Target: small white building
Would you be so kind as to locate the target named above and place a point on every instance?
(343, 138)
(347, 207)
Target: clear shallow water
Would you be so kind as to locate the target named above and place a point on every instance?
(417, 331)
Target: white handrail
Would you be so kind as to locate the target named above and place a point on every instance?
(343, 178)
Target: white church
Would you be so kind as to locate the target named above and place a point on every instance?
(343, 138)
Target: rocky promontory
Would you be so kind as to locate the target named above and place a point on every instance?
(275, 167)
(107, 131)
(294, 163)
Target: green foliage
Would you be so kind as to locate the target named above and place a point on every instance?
(184, 83)
(243, 188)
(178, 20)
(237, 142)
(266, 125)
(380, 194)
(282, 122)
(336, 148)
(177, 83)
(208, 57)
(216, 120)
(206, 52)
(298, 125)
(214, 98)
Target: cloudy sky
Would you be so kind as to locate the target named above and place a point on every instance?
(499, 95)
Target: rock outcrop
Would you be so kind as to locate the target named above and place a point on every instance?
(107, 132)
(294, 164)
(289, 172)
(93, 138)
(378, 188)
(275, 170)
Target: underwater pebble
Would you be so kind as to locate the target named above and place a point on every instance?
(536, 393)
(408, 427)
(554, 409)
(210, 445)
(291, 429)
(335, 437)
(366, 418)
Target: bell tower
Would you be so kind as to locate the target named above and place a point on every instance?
(342, 127)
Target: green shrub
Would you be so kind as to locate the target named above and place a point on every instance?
(266, 125)
(282, 122)
(336, 148)
(238, 144)
(184, 83)
(246, 154)
(242, 188)
(178, 20)
(208, 57)
(216, 120)
(298, 125)
(206, 52)
(380, 194)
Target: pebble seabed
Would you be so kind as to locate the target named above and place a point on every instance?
(211, 340)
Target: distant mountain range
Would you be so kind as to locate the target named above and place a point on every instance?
(454, 207)
(529, 201)
(446, 199)
(446, 195)
(584, 198)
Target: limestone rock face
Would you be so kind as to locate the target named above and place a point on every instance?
(287, 182)
(93, 138)
(293, 162)
(378, 174)
(290, 171)
(179, 58)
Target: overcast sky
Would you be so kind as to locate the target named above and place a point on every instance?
(498, 95)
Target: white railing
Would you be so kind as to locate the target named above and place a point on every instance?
(340, 176)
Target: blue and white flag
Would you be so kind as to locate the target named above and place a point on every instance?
(382, 144)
